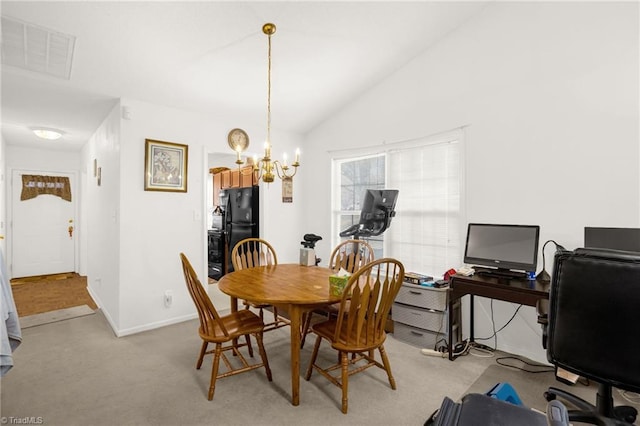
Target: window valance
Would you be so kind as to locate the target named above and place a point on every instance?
(34, 185)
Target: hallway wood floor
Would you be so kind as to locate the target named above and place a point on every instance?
(35, 295)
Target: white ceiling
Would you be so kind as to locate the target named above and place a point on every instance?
(211, 57)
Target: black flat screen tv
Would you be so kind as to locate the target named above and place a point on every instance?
(504, 247)
(627, 239)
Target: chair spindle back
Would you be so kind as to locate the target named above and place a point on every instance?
(252, 252)
(367, 301)
(210, 323)
(351, 255)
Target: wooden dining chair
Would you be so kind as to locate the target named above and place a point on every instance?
(349, 255)
(252, 252)
(358, 329)
(221, 330)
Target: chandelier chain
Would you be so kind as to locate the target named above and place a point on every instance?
(265, 168)
(269, 93)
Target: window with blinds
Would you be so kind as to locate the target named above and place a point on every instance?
(426, 232)
(354, 177)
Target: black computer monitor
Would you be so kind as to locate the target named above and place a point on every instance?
(504, 247)
(627, 239)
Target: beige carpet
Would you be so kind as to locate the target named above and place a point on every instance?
(530, 387)
(78, 373)
(55, 316)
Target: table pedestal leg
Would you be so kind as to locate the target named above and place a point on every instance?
(296, 313)
(234, 308)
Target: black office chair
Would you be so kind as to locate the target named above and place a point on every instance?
(592, 330)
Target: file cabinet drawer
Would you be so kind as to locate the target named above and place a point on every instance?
(423, 338)
(419, 317)
(423, 297)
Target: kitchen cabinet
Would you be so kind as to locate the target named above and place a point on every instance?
(234, 178)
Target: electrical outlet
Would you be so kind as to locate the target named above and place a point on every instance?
(168, 298)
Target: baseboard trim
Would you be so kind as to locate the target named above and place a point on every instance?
(141, 328)
(154, 325)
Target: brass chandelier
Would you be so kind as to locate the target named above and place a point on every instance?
(265, 168)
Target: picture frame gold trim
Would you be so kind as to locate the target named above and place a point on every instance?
(165, 166)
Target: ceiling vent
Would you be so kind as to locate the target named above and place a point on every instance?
(35, 48)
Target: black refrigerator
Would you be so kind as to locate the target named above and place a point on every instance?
(241, 216)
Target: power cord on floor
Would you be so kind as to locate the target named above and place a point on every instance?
(539, 368)
(480, 350)
(462, 348)
(470, 348)
(630, 397)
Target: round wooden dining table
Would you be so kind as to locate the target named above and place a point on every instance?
(295, 288)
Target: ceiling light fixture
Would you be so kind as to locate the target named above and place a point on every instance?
(265, 167)
(47, 133)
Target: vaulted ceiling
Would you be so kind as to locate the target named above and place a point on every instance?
(208, 57)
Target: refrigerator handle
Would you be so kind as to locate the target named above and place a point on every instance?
(227, 210)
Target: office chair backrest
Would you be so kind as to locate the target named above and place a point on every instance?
(594, 316)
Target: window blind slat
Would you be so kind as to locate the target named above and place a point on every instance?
(425, 234)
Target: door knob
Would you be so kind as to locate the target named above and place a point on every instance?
(70, 231)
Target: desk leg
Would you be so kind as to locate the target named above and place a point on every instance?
(450, 329)
(296, 313)
(471, 317)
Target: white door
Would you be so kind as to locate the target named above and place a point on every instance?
(41, 239)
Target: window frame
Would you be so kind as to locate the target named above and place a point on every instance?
(341, 156)
(336, 203)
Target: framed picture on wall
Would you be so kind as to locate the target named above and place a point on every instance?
(287, 190)
(165, 166)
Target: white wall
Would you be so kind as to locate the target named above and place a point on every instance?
(549, 92)
(39, 159)
(136, 235)
(130, 238)
(101, 235)
(3, 206)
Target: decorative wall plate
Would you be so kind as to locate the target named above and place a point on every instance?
(238, 138)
